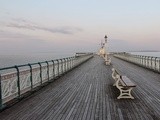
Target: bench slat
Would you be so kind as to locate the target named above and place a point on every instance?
(127, 82)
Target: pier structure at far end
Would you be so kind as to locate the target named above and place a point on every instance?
(103, 52)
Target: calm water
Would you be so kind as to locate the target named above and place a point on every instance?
(11, 60)
(153, 54)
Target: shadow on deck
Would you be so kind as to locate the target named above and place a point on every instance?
(87, 93)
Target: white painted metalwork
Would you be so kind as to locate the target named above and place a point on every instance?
(152, 63)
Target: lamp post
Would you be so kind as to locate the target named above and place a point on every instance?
(107, 59)
(106, 55)
(105, 37)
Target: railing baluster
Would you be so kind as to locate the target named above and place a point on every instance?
(61, 66)
(70, 66)
(65, 63)
(31, 76)
(155, 63)
(57, 67)
(53, 69)
(47, 69)
(146, 61)
(151, 63)
(159, 64)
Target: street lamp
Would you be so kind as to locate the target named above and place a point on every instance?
(107, 59)
(105, 38)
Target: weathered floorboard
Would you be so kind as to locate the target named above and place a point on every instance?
(86, 93)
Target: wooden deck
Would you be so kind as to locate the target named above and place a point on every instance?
(86, 93)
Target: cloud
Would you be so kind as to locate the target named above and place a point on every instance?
(25, 24)
(21, 20)
(9, 35)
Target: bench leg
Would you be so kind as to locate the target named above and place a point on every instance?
(113, 76)
(108, 62)
(125, 93)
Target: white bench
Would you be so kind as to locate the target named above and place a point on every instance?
(123, 83)
(108, 61)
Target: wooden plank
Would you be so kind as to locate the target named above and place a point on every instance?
(127, 82)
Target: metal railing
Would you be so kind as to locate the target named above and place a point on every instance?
(149, 62)
(19, 79)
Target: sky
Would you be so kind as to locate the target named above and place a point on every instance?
(63, 26)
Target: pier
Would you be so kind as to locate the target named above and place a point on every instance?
(87, 93)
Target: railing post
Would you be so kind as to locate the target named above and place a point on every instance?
(139, 57)
(53, 69)
(155, 63)
(70, 62)
(70, 66)
(151, 63)
(31, 76)
(73, 62)
(65, 62)
(142, 60)
(18, 82)
(64, 65)
(40, 72)
(57, 67)
(159, 64)
(146, 61)
(60, 67)
(47, 69)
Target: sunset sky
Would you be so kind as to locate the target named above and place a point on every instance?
(78, 25)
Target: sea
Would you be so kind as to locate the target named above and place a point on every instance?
(152, 54)
(9, 60)
(20, 59)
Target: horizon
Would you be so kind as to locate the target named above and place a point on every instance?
(78, 26)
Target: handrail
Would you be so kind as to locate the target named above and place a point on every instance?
(15, 83)
(149, 62)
